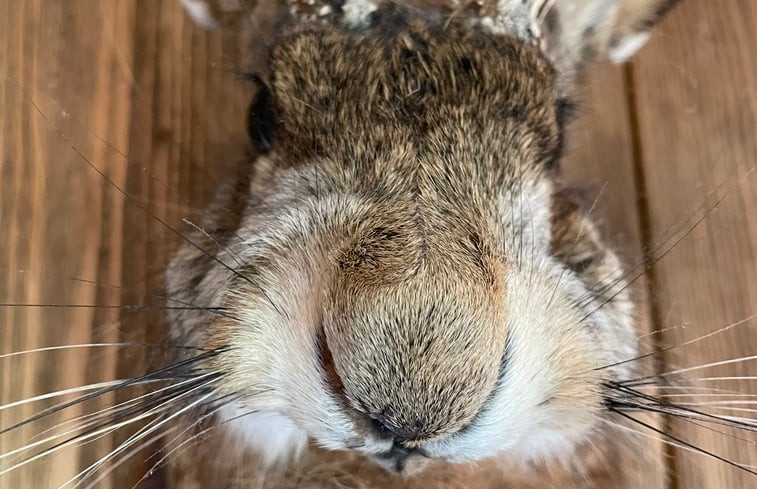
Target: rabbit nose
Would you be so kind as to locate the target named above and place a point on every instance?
(399, 433)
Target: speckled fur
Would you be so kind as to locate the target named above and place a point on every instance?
(400, 262)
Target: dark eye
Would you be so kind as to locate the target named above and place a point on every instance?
(261, 123)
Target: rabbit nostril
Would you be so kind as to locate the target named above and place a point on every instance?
(399, 433)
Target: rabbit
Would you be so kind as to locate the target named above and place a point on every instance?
(399, 272)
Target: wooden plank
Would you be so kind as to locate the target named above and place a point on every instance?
(158, 91)
(97, 96)
(187, 125)
(600, 160)
(54, 210)
(696, 88)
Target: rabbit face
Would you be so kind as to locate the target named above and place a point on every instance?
(392, 275)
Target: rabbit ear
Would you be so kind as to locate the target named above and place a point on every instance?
(576, 32)
(631, 30)
(520, 18)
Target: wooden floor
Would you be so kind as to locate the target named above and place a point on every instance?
(115, 112)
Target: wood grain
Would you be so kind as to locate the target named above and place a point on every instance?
(600, 163)
(117, 115)
(113, 115)
(696, 92)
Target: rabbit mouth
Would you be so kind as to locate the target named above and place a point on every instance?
(400, 460)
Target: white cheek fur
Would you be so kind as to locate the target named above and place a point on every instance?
(272, 436)
(533, 415)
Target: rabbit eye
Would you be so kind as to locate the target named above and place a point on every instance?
(261, 123)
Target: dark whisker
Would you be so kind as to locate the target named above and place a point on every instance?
(680, 345)
(679, 412)
(650, 265)
(128, 307)
(140, 205)
(663, 406)
(645, 263)
(161, 373)
(685, 443)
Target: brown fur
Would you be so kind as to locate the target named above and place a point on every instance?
(418, 131)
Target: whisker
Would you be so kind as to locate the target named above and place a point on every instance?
(77, 439)
(707, 395)
(96, 345)
(711, 379)
(141, 205)
(128, 307)
(646, 263)
(131, 453)
(723, 403)
(85, 426)
(662, 330)
(116, 287)
(193, 439)
(698, 367)
(125, 458)
(63, 392)
(665, 441)
(682, 412)
(132, 381)
(687, 388)
(121, 408)
(196, 227)
(686, 343)
(662, 404)
(695, 448)
(136, 437)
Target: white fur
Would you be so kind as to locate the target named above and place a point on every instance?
(518, 419)
(274, 437)
(357, 12)
(277, 355)
(627, 47)
(200, 12)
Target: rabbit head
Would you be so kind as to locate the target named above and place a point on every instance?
(399, 272)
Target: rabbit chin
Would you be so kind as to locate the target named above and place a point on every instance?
(277, 441)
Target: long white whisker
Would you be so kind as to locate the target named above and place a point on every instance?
(667, 387)
(191, 439)
(129, 455)
(73, 390)
(709, 365)
(685, 343)
(111, 411)
(172, 451)
(706, 395)
(135, 438)
(93, 467)
(89, 436)
(85, 437)
(68, 347)
(722, 403)
(714, 379)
